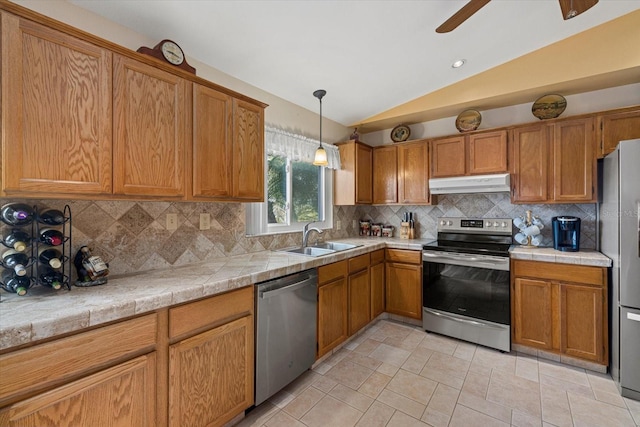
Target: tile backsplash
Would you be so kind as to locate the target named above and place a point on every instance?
(132, 235)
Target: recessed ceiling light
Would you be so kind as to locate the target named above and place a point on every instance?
(459, 63)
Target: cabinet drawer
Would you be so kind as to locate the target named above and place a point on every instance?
(358, 263)
(210, 312)
(403, 255)
(42, 366)
(328, 273)
(561, 272)
(377, 256)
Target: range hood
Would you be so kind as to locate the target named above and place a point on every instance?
(495, 183)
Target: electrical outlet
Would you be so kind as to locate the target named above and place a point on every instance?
(172, 221)
(205, 221)
(354, 224)
(338, 225)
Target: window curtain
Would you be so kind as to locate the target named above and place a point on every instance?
(297, 147)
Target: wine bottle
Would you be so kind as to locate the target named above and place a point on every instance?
(16, 284)
(51, 278)
(16, 239)
(16, 261)
(50, 256)
(51, 217)
(17, 214)
(94, 266)
(51, 237)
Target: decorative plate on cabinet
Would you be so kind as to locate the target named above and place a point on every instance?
(549, 106)
(400, 133)
(468, 120)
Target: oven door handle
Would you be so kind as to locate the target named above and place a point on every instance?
(467, 261)
(457, 319)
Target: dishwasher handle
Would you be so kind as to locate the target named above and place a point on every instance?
(290, 288)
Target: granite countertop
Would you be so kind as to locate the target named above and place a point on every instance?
(43, 314)
(582, 257)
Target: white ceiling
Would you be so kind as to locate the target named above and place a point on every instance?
(369, 56)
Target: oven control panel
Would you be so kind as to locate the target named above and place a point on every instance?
(476, 225)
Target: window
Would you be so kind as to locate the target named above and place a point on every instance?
(296, 193)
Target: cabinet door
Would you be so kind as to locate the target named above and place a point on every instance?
(487, 153)
(56, 112)
(532, 313)
(448, 157)
(248, 151)
(530, 173)
(332, 315)
(574, 161)
(404, 289)
(211, 375)
(385, 175)
(123, 395)
(212, 143)
(359, 300)
(377, 289)
(413, 173)
(364, 174)
(152, 111)
(582, 321)
(616, 127)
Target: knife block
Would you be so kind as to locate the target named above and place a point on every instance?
(405, 230)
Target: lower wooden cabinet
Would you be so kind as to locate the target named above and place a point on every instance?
(404, 282)
(376, 272)
(560, 308)
(332, 306)
(359, 293)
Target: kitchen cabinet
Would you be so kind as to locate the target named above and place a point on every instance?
(613, 127)
(385, 175)
(56, 112)
(413, 173)
(400, 174)
(105, 376)
(403, 275)
(475, 154)
(227, 155)
(359, 293)
(151, 130)
(211, 359)
(333, 326)
(554, 163)
(376, 271)
(353, 183)
(561, 308)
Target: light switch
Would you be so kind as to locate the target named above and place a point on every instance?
(205, 221)
(338, 225)
(172, 221)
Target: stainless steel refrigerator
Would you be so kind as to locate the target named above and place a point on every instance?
(620, 241)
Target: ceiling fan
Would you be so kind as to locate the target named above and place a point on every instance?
(570, 9)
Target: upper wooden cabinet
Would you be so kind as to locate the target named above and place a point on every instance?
(476, 154)
(401, 174)
(353, 183)
(615, 127)
(248, 151)
(413, 173)
(212, 139)
(554, 163)
(56, 112)
(151, 130)
(385, 175)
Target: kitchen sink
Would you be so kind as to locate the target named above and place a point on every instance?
(320, 249)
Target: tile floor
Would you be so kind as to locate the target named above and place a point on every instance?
(396, 375)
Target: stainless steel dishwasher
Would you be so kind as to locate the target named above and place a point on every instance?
(285, 331)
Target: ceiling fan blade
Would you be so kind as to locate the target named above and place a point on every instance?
(462, 15)
(573, 8)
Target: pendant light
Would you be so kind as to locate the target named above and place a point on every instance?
(320, 158)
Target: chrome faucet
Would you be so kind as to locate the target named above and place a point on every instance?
(305, 233)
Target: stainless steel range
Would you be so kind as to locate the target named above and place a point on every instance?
(466, 281)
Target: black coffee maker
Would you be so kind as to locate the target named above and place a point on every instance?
(566, 233)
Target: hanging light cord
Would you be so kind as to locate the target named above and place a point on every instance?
(319, 94)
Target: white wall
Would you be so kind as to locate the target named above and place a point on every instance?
(280, 113)
(588, 102)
